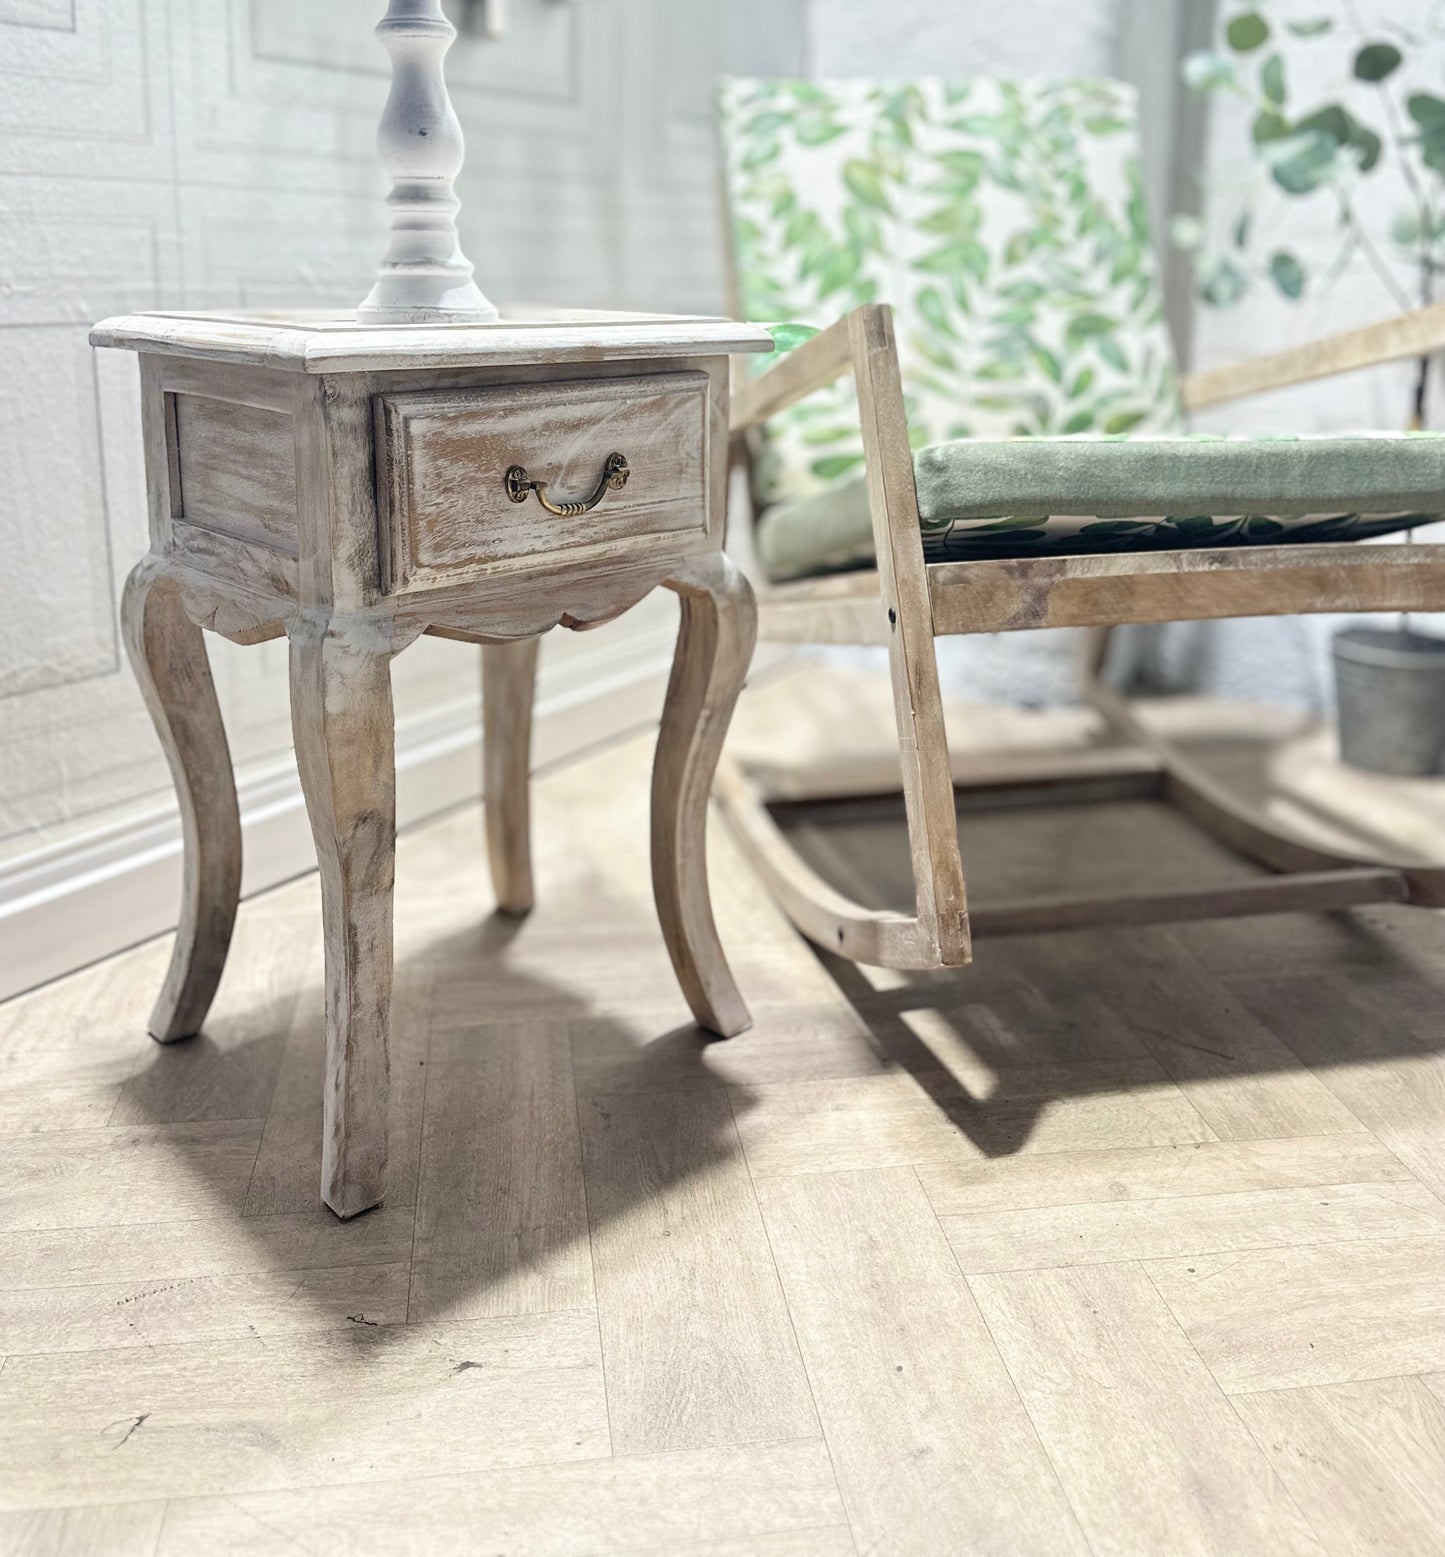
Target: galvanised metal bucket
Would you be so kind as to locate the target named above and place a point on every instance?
(1390, 690)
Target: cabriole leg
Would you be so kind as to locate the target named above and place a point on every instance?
(714, 648)
(341, 716)
(168, 655)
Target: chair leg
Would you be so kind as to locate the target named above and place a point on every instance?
(714, 648)
(341, 716)
(168, 654)
(509, 680)
(903, 584)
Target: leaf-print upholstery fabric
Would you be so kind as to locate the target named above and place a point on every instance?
(1005, 223)
(1029, 497)
(1003, 220)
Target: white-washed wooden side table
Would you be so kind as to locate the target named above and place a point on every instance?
(354, 486)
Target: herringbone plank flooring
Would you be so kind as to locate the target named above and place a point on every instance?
(1116, 1242)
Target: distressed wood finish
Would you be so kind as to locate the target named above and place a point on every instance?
(235, 470)
(344, 486)
(715, 641)
(301, 342)
(168, 655)
(509, 681)
(906, 604)
(1297, 892)
(446, 515)
(1417, 334)
(823, 914)
(813, 365)
(1183, 586)
(341, 719)
(903, 581)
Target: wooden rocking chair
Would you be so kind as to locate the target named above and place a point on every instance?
(968, 538)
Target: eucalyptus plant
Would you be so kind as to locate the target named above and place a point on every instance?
(1326, 150)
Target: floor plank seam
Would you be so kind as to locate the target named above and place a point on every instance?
(792, 1326)
(587, 1223)
(1023, 1404)
(1263, 1451)
(1405, 1177)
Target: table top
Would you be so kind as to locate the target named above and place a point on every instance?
(320, 342)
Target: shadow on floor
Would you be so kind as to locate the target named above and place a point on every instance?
(488, 1136)
(1240, 1013)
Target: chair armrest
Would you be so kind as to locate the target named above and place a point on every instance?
(816, 363)
(1414, 334)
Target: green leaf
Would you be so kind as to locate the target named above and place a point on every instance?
(1223, 284)
(818, 132)
(1125, 421)
(1368, 147)
(1271, 79)
(1080, 387)
(787, 336)
(1376, 61)
(1269, 126)
(968, 255)
(954, 219)
(1407, 230)
(932, 352)
(1079, 422)
(1331, 120)
(863, 180)
(1247, 32)
(835, 433)
(1019, 247)
(1346, 132)
(1315, 27)
(1429, 113)
(1051, 366)
(1112, 353)
(1288, 274)
(935, 310)
(760, 156)
(1085, 327)
(1299, 164)
(831, 466)
(864, 229)
(1242, 230)
(1206, 71)
(766, 123)
(837, 271)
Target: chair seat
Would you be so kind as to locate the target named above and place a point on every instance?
(1039, 497)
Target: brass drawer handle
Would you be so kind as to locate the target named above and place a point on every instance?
(614, 477)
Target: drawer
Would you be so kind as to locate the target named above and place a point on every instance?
(447, 513)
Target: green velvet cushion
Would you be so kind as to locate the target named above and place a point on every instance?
(1026, 497)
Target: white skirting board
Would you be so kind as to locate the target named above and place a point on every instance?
(96, 892)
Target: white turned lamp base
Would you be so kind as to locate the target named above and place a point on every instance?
(425, 278)
(404, 298)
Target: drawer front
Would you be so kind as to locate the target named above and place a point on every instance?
(446, 511)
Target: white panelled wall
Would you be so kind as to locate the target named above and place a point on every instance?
(220, 153)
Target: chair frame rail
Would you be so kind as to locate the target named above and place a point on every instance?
(907, 603)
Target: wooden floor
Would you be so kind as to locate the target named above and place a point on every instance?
(1115, 1243)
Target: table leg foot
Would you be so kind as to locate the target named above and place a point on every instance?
(341, 716)
(714, 648)
(168, 654)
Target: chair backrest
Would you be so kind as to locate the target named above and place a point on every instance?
(1003, 220)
